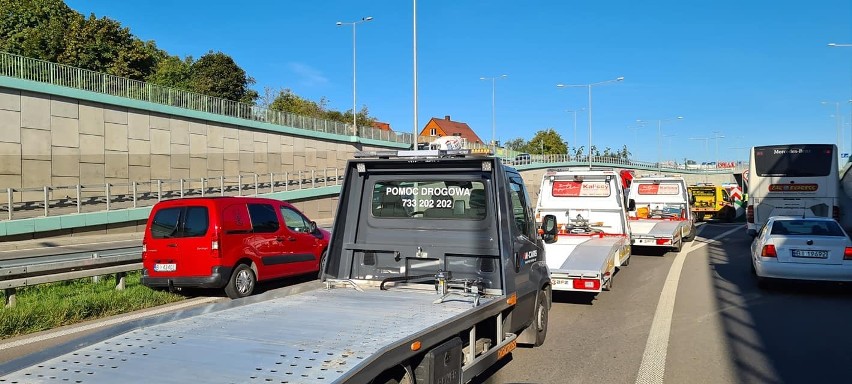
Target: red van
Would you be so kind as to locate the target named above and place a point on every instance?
(230, 242)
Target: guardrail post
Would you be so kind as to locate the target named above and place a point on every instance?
(255, 185)
(239, 185)
(222, 185)
(11, 297)
(203, 186)
(286, 181)
(159, 190)
(300, 179)
(337, 176)
(325, 177)
(313, 178)
(181, 187)
(108, 197)
(119, 280)
(95, 279)
(9, 196)
(46, 201)
(271, 182)
(79, 198)
(133, 186)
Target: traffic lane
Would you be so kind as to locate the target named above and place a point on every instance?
(595, 339)
(726, 329)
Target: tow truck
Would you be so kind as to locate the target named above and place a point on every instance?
(712, 200)
(593, 236)
(435, 271)
(659, 213)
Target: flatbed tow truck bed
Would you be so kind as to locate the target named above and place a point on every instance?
(299, 342)
(583, 257)
(646, 231)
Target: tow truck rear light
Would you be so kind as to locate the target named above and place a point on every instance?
(847, 253)
(750, 214)
(769, 251)
(664, 241)
(835, 212)
(587, 284)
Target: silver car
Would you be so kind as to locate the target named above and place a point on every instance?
(795, 248)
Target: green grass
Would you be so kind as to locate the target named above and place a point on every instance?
(52, 305)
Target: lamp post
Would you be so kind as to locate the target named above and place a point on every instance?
(717, 136)
(354, 98)
(414, 27)
(575, 124)
(836, 45)
(669, 143)
(660, 136)
(706, 140)
(493, 120)
(589, 86)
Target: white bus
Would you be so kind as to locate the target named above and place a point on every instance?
(792, 180)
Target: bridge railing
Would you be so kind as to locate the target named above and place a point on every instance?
(26, 68)
(627, 163)
(47, 201)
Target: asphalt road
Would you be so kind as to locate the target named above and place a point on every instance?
(723, 328)
(720, 329)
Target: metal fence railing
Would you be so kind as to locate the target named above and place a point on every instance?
(18, 203)
(26, 68)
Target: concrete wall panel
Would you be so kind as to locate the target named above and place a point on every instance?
(65, 132)
(35, 110)
(92, 149)
(64, 107)
(35, 144)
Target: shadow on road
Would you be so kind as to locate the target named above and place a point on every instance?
(795, 332)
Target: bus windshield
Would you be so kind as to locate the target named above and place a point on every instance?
(813, 160)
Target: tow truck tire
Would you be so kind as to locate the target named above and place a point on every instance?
(679, 245)
(242, 282)
(322, 264)
(691, 234)
(540, 318)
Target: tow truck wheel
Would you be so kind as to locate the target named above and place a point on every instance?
(242, 282)
(540, 320)
(395, 375)
(691, 234)
(679, 246)
(322, 264)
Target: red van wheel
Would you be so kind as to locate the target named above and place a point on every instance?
(242, 282)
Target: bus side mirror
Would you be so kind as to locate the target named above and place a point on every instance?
(548, 228)
(631, 205)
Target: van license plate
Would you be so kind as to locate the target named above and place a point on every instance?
(810, 254)
(165, 267)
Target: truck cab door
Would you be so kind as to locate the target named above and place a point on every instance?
(527, 252)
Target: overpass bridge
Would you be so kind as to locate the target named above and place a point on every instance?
(83, 152)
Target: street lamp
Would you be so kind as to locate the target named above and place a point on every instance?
(575, 123)
(493, 123)
(669, 144)
(717, 136)
(706, 140)
(660, 136)
(620, 78)
(414, 28)
(354, 99)
(836, 45)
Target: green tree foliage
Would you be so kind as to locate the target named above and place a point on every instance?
(287, 101)
(103, 45)
(217, 74)
(547, 141)
(517, 144)
(173, 72)
(34, 28)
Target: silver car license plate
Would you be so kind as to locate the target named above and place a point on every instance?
(810, 254)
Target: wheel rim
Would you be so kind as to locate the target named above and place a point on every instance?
(244, 282)
(541, 317)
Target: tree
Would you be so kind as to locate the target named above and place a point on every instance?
(547, 141)
(173, 72)
(287, 101)
(34, 28)
(216, 74)
(517, 144)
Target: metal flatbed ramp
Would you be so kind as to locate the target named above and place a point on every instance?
(284, 340)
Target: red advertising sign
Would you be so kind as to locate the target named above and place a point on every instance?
(580, 188)
(793, 187)
(658, 189)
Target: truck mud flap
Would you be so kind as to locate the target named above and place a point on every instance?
(442, 364)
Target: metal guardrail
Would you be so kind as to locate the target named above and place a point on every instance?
(24, 272)
(625, 163)
(62, 200)
(26, 68)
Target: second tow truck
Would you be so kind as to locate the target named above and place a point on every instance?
(593, 235)
(660, 214)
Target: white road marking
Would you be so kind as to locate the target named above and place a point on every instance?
(106, 323)
(653, 367)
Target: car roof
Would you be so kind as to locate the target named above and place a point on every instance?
(790, 218)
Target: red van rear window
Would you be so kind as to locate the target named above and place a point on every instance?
(180, 222)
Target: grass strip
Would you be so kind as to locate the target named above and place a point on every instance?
(47, 306)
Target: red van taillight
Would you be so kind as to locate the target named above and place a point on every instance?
(214, 245)
(835, 212)
(750, 214)
(847, 253)
(144, 250)
(769, 251)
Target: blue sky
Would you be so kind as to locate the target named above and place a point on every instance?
(755, 71)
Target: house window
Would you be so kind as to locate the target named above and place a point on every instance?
(433, 132)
